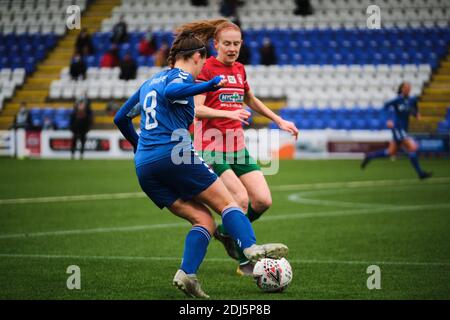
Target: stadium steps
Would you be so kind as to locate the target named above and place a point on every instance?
(435, 99)
(36, 87)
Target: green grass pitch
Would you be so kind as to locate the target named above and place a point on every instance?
(336, 219)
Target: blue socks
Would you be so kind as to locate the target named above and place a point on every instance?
(415, 162)
(197, 240)
(239, 227)
(384, 153)
(195, 246)
(378, 154)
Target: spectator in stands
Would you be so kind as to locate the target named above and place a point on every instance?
(267, 52)
(162, 54)
(23, 118)
(47, 123)
(119, 32)
(112, 107)
(84, 98)
(81, 121)
(83, 44)
(110, 59)
(228, 8)
(128, 68)
(244, 53)
(199, 3)
(147, 45)
(303, 8)
(78, 67)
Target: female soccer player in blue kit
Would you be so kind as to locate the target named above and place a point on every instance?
(403, 106)
(172, 174)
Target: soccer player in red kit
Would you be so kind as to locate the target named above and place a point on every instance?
(218, 133)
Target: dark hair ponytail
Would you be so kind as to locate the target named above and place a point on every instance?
(184, 46)
(400, 87)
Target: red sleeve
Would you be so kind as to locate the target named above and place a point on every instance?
(204, 75)
(246, 85)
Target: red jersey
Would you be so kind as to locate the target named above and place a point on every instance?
(230, 97)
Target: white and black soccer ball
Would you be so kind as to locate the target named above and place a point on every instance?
(272, 275)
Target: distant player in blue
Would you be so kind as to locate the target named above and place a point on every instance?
(171, 173)
(402, 107)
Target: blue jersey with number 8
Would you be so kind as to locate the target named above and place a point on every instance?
(164, 122)
(167, 109)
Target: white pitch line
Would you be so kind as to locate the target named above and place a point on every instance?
(299, 187)
(86, 197)
(222, 260)
(302, 197)
(304, 215)
(366, 211)
(95, 230)
(299, 198)
(358, 184)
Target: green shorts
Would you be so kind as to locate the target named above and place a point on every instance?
(239, 161)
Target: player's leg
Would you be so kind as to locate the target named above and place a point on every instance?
(195, 246)
(260, 200)
(198, 215)
(246, 177)
(218, 198)
(411, 147)
(382, 153)
(74, 144)
(392, 148)
(83, 142)
(258, 192)
(236, 188)
(239, 194)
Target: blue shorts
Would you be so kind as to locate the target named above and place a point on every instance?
(165, 182)
(399, 135)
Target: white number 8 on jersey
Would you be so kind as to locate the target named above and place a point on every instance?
(150, 112)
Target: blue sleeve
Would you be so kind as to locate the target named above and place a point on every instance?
(123, 121)
(179, 90)
(388, 112)
(390, 104)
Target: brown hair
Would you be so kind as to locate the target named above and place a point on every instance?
(207, 29)
(184, 46)
(401, 86)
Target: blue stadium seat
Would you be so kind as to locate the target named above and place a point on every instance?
(62, 118)
(91, 61)
(387, 46)
(36, 115)
(443, 127)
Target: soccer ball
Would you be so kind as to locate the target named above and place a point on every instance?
(272, 275)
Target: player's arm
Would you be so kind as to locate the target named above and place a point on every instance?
(255, 104)
(123, 120)
(179, 90)
(388, 113)
(204, 112)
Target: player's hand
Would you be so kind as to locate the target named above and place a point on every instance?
(390, 124)
(218, 82)
(418, 117)
(239, 115)
(289, 127)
